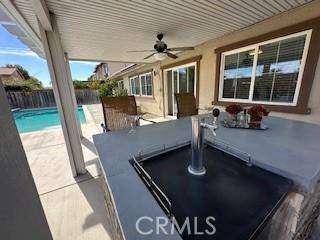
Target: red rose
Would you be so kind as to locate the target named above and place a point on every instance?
(234, 109)
(257, 112)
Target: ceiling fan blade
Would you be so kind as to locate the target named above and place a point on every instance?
(149, 56)
(142, 51)
(170, 55)
(181, 49)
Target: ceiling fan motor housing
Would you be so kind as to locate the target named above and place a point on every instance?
(160, 46)
(162, 49)
(160, 36)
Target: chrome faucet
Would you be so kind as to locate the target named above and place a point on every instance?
(197, 142)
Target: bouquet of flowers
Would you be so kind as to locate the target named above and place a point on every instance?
(234, 109)
(257, 112)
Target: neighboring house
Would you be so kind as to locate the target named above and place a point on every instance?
(261, 64)
(104, 70)
(10, 73)
(92, 77)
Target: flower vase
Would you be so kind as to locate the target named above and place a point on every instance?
(255, 122)
(232, 117)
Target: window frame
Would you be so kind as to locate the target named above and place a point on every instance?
(145, 75)
(255, 47)
(121, 81)
(132, 78)
(106, 69)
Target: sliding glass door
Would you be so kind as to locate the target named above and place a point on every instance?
(181, 79)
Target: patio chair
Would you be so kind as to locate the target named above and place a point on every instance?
(120, 112)
(187, 105)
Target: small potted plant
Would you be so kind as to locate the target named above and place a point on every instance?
(233, 111)
(257, 113)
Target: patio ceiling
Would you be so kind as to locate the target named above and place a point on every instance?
(104, 30)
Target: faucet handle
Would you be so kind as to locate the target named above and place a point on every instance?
(216, 112)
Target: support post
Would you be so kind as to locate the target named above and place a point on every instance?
(22, 216)
(72, 93)
(60, 78)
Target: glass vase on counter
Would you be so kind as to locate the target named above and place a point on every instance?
(244, 118)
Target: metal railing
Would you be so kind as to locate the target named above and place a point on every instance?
(230, 149)
(155, 189)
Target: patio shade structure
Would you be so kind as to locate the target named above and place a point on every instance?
(99, 30)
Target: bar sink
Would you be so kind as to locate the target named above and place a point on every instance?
(240, 198)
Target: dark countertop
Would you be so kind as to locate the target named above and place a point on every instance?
(289, 148)
(240, 198)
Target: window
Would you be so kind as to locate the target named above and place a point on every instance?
(135, 85)
(180, 79)
(141, 85)
(269, 72)
(146, 84)
(121, 84)
(106, 70)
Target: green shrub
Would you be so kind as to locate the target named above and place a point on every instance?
(107, 88)
(27, 85)
(120, 92)
(79, 84)
(94, 84)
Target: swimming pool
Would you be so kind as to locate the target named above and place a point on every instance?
(40, 119)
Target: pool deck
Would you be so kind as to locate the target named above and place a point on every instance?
(75, 208)
(61, 194)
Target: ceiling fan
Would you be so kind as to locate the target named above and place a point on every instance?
(161, 50)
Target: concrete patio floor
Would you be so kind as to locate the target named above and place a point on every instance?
(75, 208)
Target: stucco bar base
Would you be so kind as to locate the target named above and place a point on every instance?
(296, 218)
(115, 229)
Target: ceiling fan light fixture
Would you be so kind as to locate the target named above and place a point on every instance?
(160, 56)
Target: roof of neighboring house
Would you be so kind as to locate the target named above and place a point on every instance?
(7, 71)
(125, 70)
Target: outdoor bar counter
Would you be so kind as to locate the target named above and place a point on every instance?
(288, 148)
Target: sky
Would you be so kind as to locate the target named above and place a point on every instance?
(12, 51)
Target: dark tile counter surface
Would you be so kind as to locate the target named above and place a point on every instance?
(288, 148)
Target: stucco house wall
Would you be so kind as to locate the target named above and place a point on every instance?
(152, 104)
(208, 64)
(111, 67)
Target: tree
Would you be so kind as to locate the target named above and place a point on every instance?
(30, 83)
(107, 88)
(110, 88)
(21, 69)
(27, 85)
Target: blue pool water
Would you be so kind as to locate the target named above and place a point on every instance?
(40, 119)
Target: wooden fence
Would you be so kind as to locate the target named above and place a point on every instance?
(45, 98)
